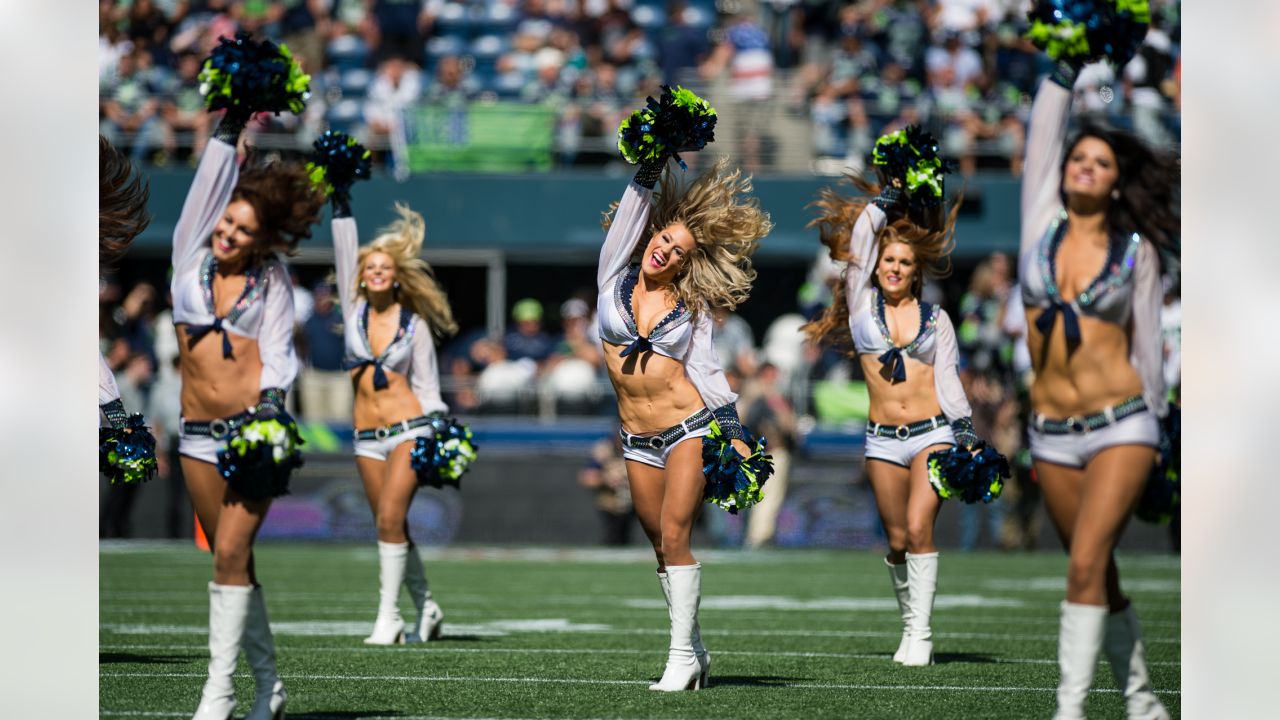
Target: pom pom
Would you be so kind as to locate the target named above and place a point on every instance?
(733, 482)
(250, 76)
(956, 472)
(677, 121)
(443, 458)
(910, 160)
(338, 162)
(127, 455)
(1162, 497)
(260, 456)
(1082, 31)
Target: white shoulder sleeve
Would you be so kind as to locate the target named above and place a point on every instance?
(107, 388)
(625, 231)
(275, 337)
(346, 241)
(862, 257)
(1042, 172)
(208, 197)
(702, 365)
(424, 370)
(1146, 343)
(946, 371)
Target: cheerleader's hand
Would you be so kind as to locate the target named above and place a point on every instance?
(743, 449)
(891, 199)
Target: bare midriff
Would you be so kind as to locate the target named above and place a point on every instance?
(654, 393)
(214, 386)
(902, 403)
(376, 408)
(1094, 374)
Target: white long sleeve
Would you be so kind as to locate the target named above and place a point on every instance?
(275, 338)
(107, 388)
(703, 368)
(629, 223)
(424, 373)
(1146, 344)
(946, 371)
(862, 257)
(346, 246)
(206, 200)
(1042, 172)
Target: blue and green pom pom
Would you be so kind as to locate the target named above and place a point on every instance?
(444, 457)
(676, 122)
(260, 457)
(253, 76)
(338, 162)
(733, 482)
(127, 455)
(958, 473)
(910, 159)
(1162, 497)
(1083, 31)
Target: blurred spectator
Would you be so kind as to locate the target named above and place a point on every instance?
(745, 50)
(768, 413)
(605, 474)
(396, 87)
(952, 65)
(303, 26)
(733, 340)
(527, 339)
(1022, 492)
(303, 301)
(130, 106)
(450, 86)
(1146, 76)
(395, 28)
(325, 388)
(149, 30)
(680, 45)
(573, 371)
(183, 109)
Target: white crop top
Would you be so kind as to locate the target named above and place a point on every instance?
(677, 336)
(934, 343)
(1127, 291)
(412, 353)
(264, 310)
(107, 388)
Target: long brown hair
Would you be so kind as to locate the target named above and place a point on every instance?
(122, 204)
(285, 201)
(837, 213)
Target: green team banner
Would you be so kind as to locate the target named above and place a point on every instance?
(480, 137)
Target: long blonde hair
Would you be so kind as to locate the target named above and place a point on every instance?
(726, 224)
(402, 242)
(931, 240)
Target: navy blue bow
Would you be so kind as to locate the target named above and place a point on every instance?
(1070, 323)
(893, 358)
(379, 375)
(195, 332)
(640, 344)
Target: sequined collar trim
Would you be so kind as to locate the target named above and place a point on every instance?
(1121, 257)
(622, 293)
(405, 331)
(253, 284)
(928, 321)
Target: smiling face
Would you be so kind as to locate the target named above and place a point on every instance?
(378, 273)
(1091, 170)
(235, 234)
(667, 253)
(897, 270)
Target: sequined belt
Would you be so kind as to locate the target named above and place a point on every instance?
(667, 437)
(218, 428)
(393, 429)
(904, 432)
(1078, 425)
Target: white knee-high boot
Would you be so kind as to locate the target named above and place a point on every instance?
(427, 625)
(388, 629)
(260, 650)
(898, 575)
(922, 584)
(683, 671)
(228, 608)
(1128, 657)
(1079, 639)
(699, 650)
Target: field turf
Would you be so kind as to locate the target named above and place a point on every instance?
(551, 633)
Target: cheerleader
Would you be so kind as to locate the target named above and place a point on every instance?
(1094, 222)
(233, 309)
(908, 353)
(393, 312)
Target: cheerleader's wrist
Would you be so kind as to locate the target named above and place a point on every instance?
(231, 125)
(730, 426)
(649, 172)
(962, 428)
(341, 204)
(115, 414)
(1064, 74)
(271, 402)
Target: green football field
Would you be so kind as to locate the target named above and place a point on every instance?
(561, 633)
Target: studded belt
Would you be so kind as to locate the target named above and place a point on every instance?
(393, 429)
(218, 428)
(904, 432)
(1080, 424)
(667, 437)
